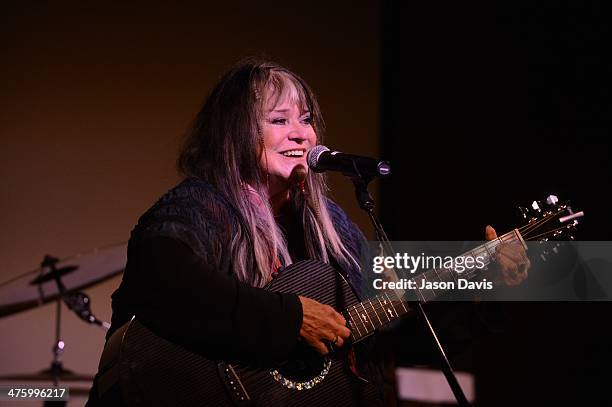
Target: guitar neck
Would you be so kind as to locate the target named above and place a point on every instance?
(366, 317)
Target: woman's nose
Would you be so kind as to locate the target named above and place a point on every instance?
(298, 134)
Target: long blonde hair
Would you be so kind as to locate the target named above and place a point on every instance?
(225, 135)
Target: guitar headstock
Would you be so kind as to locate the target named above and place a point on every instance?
(549, 220)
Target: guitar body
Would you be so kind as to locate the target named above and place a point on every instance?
(156, 372)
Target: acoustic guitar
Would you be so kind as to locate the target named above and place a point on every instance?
(153, 371)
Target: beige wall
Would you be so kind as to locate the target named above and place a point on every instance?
(94, 100)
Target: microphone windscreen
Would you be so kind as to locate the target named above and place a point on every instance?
(313, 156)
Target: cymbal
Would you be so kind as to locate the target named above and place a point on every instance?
(38, 287)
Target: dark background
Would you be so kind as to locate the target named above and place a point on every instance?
(479, 107)
(486, 107)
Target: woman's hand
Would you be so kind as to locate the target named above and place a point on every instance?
(511, 262)
(321, 323)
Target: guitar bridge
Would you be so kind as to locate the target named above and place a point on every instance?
(233, 385)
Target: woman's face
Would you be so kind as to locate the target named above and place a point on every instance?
(287, 137)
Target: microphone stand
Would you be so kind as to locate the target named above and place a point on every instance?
(366, 202)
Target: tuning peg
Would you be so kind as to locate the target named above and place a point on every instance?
(552, 200)
(537, 206)
(524, 212)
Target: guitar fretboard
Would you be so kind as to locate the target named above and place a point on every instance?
(368, 316)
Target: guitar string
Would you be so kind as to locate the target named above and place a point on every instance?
(380, 308)
(550, 232)
(528, 228)
(534, 226)
(544, 219)
(377, 310)
(389, 249)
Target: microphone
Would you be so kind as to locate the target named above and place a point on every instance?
(321, 159)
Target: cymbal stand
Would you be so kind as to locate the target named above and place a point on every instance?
(57, 369)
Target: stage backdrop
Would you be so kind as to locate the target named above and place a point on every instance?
(94, 100)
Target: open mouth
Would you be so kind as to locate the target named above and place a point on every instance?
(294, 153)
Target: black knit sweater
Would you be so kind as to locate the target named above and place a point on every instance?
(179, 280)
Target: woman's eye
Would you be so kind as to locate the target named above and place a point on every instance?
(307, 120)
(278, 121)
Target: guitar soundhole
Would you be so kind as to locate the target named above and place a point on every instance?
(303, 372)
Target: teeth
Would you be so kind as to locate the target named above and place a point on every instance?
(293, 153)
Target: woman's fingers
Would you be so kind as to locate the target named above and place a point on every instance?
(322, 326)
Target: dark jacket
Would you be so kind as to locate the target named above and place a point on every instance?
(179, 279)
